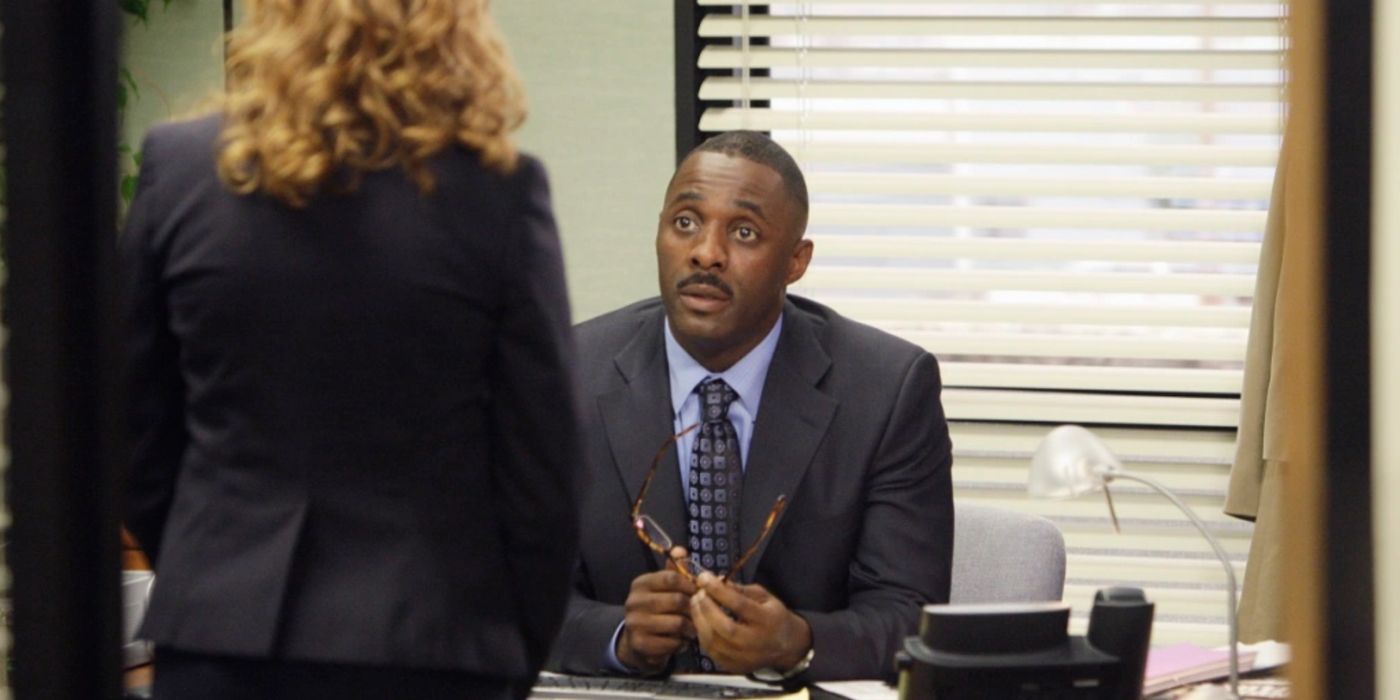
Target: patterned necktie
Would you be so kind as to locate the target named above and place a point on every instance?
(716, 475)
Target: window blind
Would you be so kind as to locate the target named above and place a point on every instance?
(1062, 200)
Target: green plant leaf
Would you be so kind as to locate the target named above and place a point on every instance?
(136, 8)
(128, 188)
(128, 81)
(128, 91)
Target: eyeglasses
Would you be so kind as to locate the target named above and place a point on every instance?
(649, 531)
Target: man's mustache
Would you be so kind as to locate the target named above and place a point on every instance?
(708, 279)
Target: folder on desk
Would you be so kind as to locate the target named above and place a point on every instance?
(1182, 664)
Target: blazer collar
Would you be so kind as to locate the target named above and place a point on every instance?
(791, 423)
(637, 420)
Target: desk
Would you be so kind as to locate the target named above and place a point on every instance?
(861, 690)
(557, 686)
(138, 684)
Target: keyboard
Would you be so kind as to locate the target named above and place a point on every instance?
(555, 686)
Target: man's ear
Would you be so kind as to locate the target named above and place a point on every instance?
(801, 257)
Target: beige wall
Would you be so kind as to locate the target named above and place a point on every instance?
(1385, 319)
(176, 59)
(600, 85)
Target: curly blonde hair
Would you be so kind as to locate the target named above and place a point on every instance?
(322, 91)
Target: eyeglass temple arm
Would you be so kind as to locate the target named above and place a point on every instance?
(778, 507)
(651, 471)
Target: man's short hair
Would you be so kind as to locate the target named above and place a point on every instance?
(757, 147)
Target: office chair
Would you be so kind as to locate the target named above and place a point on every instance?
(1002, 556)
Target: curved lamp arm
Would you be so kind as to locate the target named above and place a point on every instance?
(1110, 474)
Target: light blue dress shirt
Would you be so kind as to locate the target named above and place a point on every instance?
(745, 377)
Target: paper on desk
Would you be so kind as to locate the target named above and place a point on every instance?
(738, 682)
(1267, 654)
(861, 690)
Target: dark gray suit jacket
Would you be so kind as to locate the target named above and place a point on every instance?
(353, 430)
(851, 429)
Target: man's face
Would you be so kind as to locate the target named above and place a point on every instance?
(727, 245)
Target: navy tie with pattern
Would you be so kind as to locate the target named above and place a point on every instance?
(716, 476)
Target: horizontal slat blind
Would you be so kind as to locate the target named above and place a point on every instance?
(1013, 25)
(897, 59)
(1158, 550)
(1063, 201)
(919, 153)
(768, 120)
(932, 280)
(1023, 3)
(765, 89)
(1043, 249)
(1101, 187)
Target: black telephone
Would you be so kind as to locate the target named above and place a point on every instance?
(1024, 651)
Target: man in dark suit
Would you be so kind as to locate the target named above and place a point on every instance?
(792, 400)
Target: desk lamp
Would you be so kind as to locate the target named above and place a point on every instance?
(1071, 461)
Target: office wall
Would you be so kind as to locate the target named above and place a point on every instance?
(1385, 320)
(602, 112)
(176, 59)
(600, 85)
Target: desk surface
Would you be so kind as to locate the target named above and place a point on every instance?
(840, 690)
(140, 678)
(846, 690)
(861, 690)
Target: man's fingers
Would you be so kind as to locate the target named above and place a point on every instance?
(715, 631)
(653, 651)
(678, 561)
(732, 597)
(656, 622)
(659, 625)
(664, 603)
(704, 629)
(755, 592)
(706, 613)
(653, 636)
(744, 627)
(643, 650)
(651, 647)
(679, 555)
(667, 579)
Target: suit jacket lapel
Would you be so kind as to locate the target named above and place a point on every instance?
(637, 419)
(792, 421)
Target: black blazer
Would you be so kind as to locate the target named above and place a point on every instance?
(851, 429)
(353, 422)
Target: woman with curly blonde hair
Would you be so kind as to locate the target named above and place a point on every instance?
(349, 350)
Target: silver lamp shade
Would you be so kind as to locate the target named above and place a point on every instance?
(1071, 461)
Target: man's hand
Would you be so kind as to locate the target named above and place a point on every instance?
(657, 620)
(743, 628)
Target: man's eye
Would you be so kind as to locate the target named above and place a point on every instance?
(744, 233)
(685, 222)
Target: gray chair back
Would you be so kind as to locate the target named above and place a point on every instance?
(1004, 556)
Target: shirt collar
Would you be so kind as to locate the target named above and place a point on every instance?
(745, 377)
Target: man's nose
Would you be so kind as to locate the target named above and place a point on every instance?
(709, 251)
